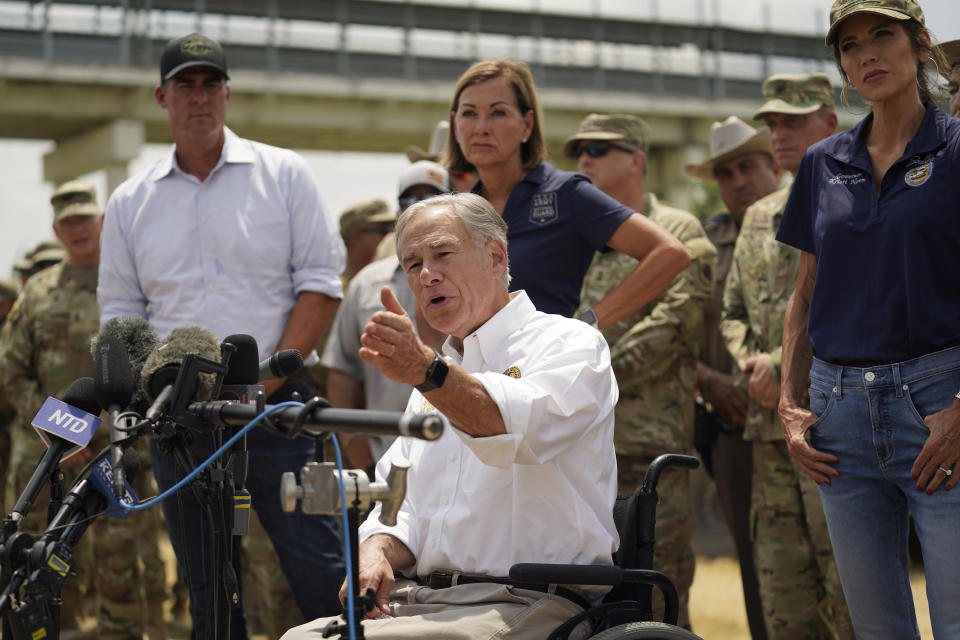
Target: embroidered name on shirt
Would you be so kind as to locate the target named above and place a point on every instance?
(543, 208)
(513, 372)
(848, 178)
(918, 175)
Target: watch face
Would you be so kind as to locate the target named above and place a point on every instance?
(589, 317)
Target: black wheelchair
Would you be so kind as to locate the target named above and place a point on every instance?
(626, 611)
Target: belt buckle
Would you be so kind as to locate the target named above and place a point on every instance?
(440, 580)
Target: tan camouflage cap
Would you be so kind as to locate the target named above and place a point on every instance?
(795, 94)
(366, 212)
(614, 126)
(951, 51)
(8, 290)
(897, 9)
(74, 198)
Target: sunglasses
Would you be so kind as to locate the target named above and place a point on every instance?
(406, 201)
(599, 149)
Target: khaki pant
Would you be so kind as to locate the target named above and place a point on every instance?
(461, 612)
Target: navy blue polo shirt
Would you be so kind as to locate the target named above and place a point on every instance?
(888, 268)
(556, 221)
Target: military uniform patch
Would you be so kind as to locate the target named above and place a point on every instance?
(919, 175)
(543, 208)
(513, 372)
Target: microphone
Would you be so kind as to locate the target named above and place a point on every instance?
(280, 365)
(162, 366)
(139, 339)
(65, 427)
(113, 381)
(244, 366)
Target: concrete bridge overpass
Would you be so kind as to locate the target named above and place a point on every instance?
(369, 75)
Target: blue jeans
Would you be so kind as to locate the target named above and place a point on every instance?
(309, 547)
(871, 419)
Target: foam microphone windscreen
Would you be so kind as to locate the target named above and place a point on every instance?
(139, 339)
(244, 362)
(163, 363)
(82, 394)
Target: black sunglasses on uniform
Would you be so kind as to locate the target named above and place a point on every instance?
(406, 201)
(599, 148)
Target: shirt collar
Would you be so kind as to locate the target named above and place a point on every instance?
(536, 176)
(235, 151)
(491, 338)
(850, 146)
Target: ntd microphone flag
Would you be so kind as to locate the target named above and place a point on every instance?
(60, 419)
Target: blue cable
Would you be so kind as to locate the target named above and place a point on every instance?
(343, 497)
(216, 454)
(346, 539)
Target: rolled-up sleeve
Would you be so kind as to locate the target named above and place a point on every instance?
(549, 410)
(318, 253)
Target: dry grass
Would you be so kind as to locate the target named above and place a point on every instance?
(716, 601)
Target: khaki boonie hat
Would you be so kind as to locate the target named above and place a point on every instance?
(728, 139)
(74, 198)
(366, 212)
(614, 126)
(796, 94)
(897, 9)
(951, 51)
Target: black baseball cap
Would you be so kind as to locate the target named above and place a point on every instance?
(193, 50)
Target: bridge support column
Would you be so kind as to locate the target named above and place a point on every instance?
(110, 147)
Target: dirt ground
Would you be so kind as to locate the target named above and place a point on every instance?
(716, 601)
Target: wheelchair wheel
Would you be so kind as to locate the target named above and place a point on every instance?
(645, 631)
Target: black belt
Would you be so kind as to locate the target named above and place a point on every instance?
(444, 580)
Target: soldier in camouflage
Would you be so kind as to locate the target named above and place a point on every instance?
(43, 256)
(8, 295)
(654, 351)
(45, 346)
(799, 585)
(741, 165)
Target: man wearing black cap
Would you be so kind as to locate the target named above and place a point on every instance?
(229, 235)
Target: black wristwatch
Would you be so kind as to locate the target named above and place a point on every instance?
(436, 375)
(590, 317)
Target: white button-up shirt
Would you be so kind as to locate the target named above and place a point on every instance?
(542, 492)
(229, 254)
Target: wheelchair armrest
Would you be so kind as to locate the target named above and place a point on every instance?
(531, 572)
(661, 462)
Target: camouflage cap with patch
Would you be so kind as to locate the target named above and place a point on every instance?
(796, 94)
(74, 198)
(897, 9)
(366, 212)
(614, 126)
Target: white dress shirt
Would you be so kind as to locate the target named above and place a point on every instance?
(229, 254)
(542, 492)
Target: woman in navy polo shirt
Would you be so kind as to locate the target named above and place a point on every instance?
(556, 220)
(874, 324)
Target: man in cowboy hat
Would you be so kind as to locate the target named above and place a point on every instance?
(741, 165)
(951, 51)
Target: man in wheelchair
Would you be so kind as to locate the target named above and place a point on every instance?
(526, 473)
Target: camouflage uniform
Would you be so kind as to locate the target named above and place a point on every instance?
(44, 347)
(799, 585)
(654, 357)
(8, 295)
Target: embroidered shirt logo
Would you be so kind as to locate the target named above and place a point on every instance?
(848, 178)
(543, 208)
(513, 372)
(919, 175)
